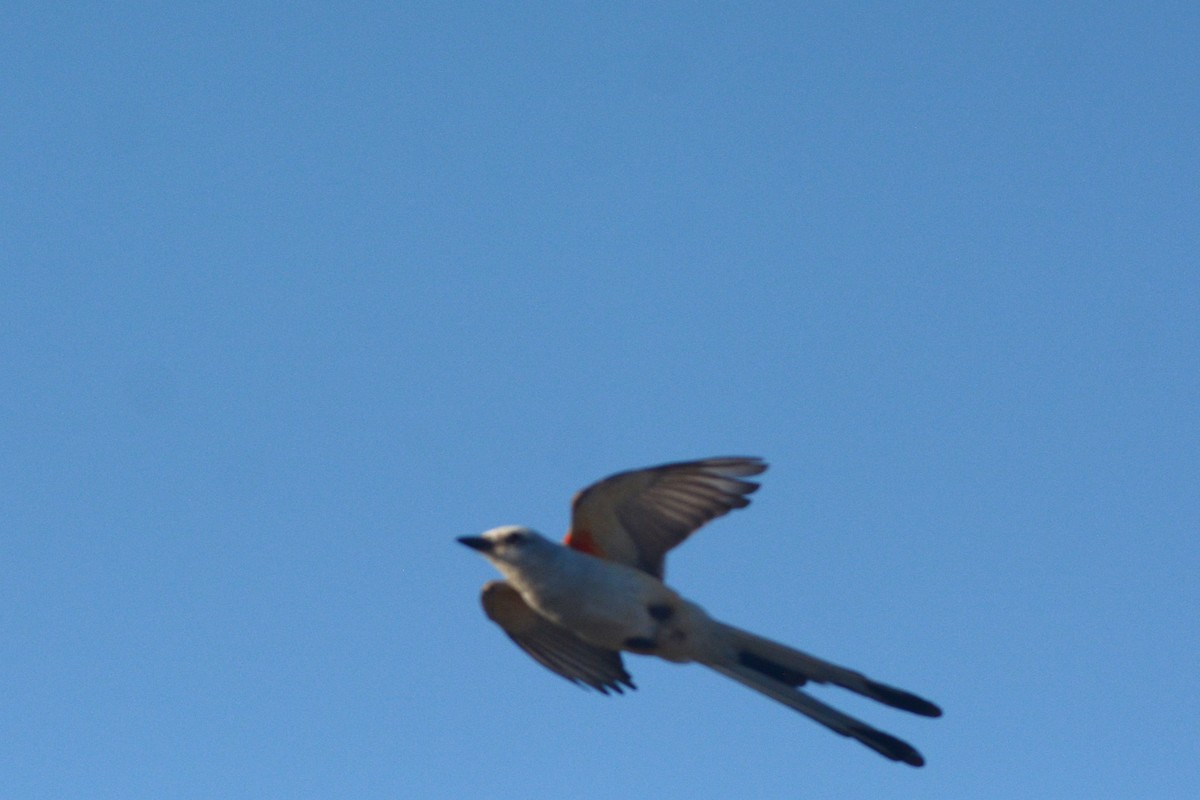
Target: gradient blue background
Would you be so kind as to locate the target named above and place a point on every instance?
(295, 294)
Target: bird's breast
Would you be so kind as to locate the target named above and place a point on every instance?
(603, 603)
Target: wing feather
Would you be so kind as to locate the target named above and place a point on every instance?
(636, 517)
(551, 645)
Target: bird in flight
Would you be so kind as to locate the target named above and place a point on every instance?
(576, 606)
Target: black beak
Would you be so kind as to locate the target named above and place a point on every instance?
(476, 543)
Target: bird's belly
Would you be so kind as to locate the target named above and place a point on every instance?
(606, 611)
(606, 621)
(635, 613)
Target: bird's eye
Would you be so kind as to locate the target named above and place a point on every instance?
(513, 538)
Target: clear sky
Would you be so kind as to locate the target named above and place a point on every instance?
(294, 294)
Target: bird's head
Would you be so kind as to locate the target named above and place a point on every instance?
(511, 545)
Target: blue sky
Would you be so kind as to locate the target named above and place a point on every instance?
(294, 295)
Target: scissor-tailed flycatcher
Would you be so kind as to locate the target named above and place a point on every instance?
(575, 608)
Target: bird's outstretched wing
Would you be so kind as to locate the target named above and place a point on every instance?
(552, 645)
(635, 517)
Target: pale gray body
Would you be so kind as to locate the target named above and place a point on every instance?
(606, 604)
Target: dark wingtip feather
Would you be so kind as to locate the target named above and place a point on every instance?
(617, 685)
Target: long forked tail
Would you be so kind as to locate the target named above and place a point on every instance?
(778, 671)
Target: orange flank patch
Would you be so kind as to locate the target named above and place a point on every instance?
(582, 541)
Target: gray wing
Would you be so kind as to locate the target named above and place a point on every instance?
(551, 645)
(635, 517)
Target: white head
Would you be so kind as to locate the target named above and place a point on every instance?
(513, 546)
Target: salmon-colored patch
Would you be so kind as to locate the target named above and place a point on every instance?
(582, 541)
